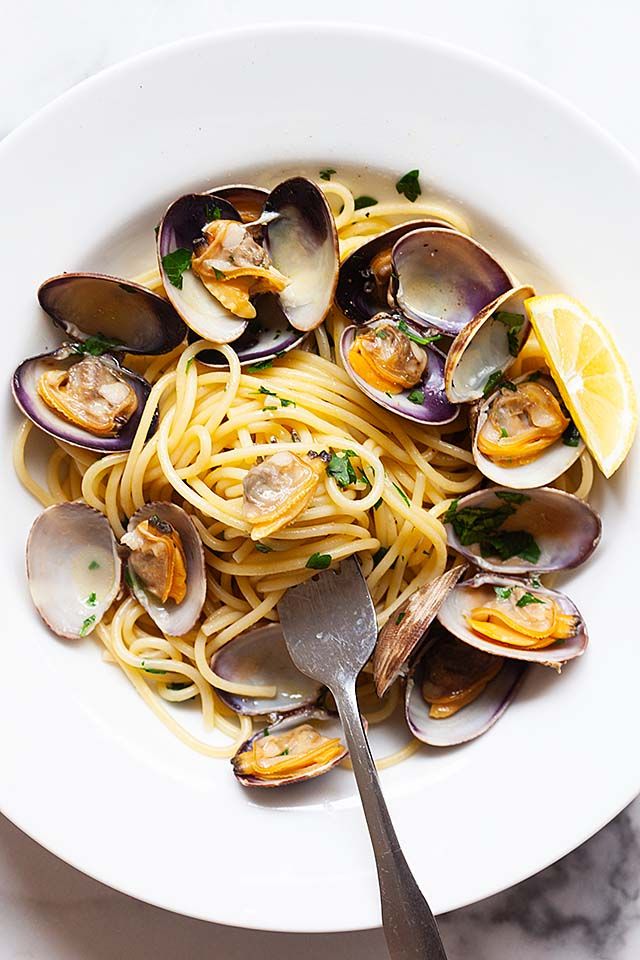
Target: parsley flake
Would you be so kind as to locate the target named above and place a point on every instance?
(406, 329)
(379, 555)
(87, 625)
(513, 322)
(503, 433)
(91, 599)
(341, 469)
(94, 565)
(97, 345)
(503, 593)
(409, 185)
(327, 173)
(260, 365)
(364, 201)
(511, 496)
(492, 383)
(318, 561)
(402, 494)
(150, 669)
(263, 548)
(174, 265)
(528, 598)
(482, 525)
(416, 396)
(401, 617)
(571, 436)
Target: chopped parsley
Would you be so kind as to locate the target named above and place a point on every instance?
(260, 365)
(503, 433)
(402, 494)
(528, 598)
(378, 503)
(271, 393)
(535, 581)
(513, 322)
(91, 599)
(401, 617)
(87, 625)
(381, 334)
(416, 396)
(341, 468)
(327, 173)
(263, 548)
(318, 561)
(212, 213)
(492, 383)
(534, 376)
(379, 555)
(219, 274)
(503, 593)
(409, 185)
(511, 496)
(482, 525)
(571, 436)
(94, 565)
(150, 669)
(364, 201)
(406, 329)
(189, 362)
(174, 265)
(178, 686)
(265, 732)
(285, 752)
(364, 478)
(97, 345)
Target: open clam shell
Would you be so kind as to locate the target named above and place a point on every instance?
(268, 336)
(330, 727)
(443, 279)
(24, 386)
(488, 345)
(400, 638)
(467, 595)
(365, 274)
(471, 720)
(260, 657)
(431, 406)
(303, 245)
(73, 568)
(564, 529)
(248, 200)
(173, 618)
(126, 314)
(179, 228)
(549, 464)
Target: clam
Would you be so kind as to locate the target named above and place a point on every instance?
(165, 566)
(108, 312)
(509, 532)
(248, 200)
(278, 489)
(302, 243)
(363, 284)
(441, 278)
(86, 400)
(260, 657)
(453, 692)
(522, 436)
(456, 693)
(513, 618)
(487, 346)
(397, 366)
(73, 568)
(290, 750)
(182, 241)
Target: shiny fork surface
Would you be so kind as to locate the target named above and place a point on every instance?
(329, 625)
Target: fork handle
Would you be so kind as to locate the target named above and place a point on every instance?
(409, 926)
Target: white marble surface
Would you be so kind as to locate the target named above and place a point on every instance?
(586, 907)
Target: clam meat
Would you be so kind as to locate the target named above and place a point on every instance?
(277, 490)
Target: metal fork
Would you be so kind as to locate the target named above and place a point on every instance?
(329, 625)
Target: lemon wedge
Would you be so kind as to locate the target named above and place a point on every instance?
(592, 377)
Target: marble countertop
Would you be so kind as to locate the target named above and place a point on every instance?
(587, 906)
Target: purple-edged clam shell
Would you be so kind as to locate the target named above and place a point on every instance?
(24, 387)
(91, 304)
(287, 722)
(260, 656)
(266, 337)
(485, 347)
(470, 721)
(173, 618)
(544, 469)
(303, 245)
(434, 408)
(443, 279)
(73, 568)
(357, 293)
(476, 592)
(248, 200)
(566, 529)
(179, 228)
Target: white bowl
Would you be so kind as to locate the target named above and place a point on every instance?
(87, 770)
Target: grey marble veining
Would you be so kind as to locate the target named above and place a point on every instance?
(587, 906)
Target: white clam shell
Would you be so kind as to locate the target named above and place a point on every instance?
(72, 557)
